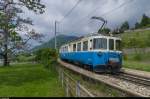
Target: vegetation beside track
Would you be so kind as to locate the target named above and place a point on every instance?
(29, 80)
(138, 59)
(137, 65)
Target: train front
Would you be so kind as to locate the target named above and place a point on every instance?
(114, 55)
(108, 55)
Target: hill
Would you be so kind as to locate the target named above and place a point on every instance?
(61, 39)
(136, 38)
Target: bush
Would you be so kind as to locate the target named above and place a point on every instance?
(125, 56)
(137, 57)
(46, 56)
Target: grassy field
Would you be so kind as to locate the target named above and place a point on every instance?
(140, 63)
(31, 80)
(137, 65)
(143, 61)
(141, 34)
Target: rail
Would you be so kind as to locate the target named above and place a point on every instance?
(134, 78)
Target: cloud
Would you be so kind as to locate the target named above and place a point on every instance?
(78, 22)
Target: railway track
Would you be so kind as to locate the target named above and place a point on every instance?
(133, 85)
(134, 78)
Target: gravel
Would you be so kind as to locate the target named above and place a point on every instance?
(143, 90)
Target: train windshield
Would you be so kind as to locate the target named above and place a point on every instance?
(118, 45)
(99, 43)
(111, 44)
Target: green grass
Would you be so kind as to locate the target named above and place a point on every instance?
(142, 38)
(22, 58)
(144, 57)
(137, 65)
(142, 34)
(31, 80)
(133, 61)
(143, 63)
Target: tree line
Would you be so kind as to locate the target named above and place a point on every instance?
(144, 23)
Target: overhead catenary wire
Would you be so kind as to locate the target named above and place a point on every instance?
(62, 20)
(104, 14)
(107, 13)
(70, 10)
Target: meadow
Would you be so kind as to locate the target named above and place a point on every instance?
(29, 80)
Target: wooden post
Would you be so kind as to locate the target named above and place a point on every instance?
(62, 78)
(59, 73)
(67, 87)
(78, 89)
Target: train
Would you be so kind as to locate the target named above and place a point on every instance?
(96, 52)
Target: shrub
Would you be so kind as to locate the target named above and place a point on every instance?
(46, 56)
(137, 57)
(125, 56)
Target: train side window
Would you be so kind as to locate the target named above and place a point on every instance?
(91, 44)
(66, 49)
(79, 47)
(111, 44)
(85, 45)
(118, 45)
(74, 47)
(62, 49)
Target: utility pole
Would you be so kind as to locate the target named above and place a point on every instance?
(55, 36)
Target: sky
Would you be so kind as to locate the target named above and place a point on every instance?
(79, 21)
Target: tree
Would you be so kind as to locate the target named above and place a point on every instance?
(46, 56)
(145, 21)
(11, 23)
(137, 25)
(104, 30)
(125, 26)
(117, 31)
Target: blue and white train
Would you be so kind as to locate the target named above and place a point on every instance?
(96, 52)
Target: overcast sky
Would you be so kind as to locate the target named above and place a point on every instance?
(78, 22)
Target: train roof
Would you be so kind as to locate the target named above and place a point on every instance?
(90, 35)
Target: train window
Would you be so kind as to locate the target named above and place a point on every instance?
(66, 49)
(85, 45)
(79, 47)
(91, 44)
(62, 49)
(74, 47)
(100, 43)
(118, 45)
(111, 44)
